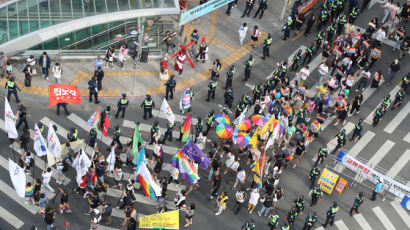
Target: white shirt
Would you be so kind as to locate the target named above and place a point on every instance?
(304, 73)
(380, 35)
(241, 176)
(235, 165)
(229, 160)
(174, 173)
(253, 199)
(46, 177)
(57, 71)
(323, 69)
(366, 74)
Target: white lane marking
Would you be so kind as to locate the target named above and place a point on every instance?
(399, 164)
(383, 218)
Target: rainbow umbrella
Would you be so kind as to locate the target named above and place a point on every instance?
(222, 118)
(243, 139)
(245, 125)
(224, 131)
(280, 128)
(259, 120)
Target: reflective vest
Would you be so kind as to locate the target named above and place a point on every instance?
(354, 12)
(250, 63)
(273, 219)
(249, 226)
(73, 135)
(332, 211)
(309, 51)
(231, 72)
(210, 118)
(199, 126)
(212, 85)
(323, 152)
(316, 191)
(222, 200)
(286, 227)
(123, 101)
(386, 102)
(93, 133)
(358, 200)
(297, 57)
(170, 126)
(11, 85)
(358, 126)
(314, 172)
(268, 42)
(379, 112)
(258, 89)
(148, 103)
(341, 136)
(117, 133)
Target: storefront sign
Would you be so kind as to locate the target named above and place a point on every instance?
(201, 10)
(394, 187)
(327, 181)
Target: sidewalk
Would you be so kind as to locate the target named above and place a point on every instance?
(145, 80)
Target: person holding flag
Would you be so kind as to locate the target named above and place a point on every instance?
(185, 130)
(116, 138)
(22, 116)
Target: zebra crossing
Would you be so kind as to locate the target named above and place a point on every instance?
(112, 193)
(376, 218)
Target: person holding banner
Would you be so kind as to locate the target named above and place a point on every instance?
(64, 105)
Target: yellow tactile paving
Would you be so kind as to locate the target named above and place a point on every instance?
(161, 88)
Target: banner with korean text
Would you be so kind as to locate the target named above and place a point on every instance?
(394, 187)
(63, 94)
(201, 10)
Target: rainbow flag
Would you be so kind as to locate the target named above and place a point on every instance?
(338, 52)
(372, 25)
(366, 43)
(302, 89)
(29, 191)
(339, 71)
(151, 189)
(315, 126)
(94, 119)
(289, 109)
(186, 169)
(377, 51)
(257, 169)
(345, 49)
(186, 128)
(352, 77)
(352, 50)
(400, 33)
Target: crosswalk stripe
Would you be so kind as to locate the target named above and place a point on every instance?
(10, 218)
(38, 161)
(359, 146)
(362, 221)
(399, 164)
(178, 117)
(378, 156)
(11, 193)
(341, 225)
(402, 213)
(407, 138)
(60, 130)
(320, 228)
(383, 218)
(83, 124)
(369, 118)
(369, 91)
(399, 118)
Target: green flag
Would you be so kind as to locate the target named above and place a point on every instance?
(137, 139)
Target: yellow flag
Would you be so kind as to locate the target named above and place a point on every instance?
(254, 139)
(50, 159)
(266, 126)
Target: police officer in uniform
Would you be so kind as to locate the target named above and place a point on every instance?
(170, 88)
(398, 99)
(285, 226)
(296, 60)
(211, 89)
(291, 217)
(198, 127)
(321, 156)
(248, 225)
(357, 202)
(358, 129)
(266, 46)
(229, 77)
(224, 110)
(22, 116)
(248, 67)
(316, 194)
(314, 174)
(273, 220)
(257, 92)
(209, 119)
(180, 130)
(116, 138)
(377, 116)
(310, 221)
(308, 54)
(147, 104)
(229, 96)
(122, 105)
(386, 102)
(72, 135)
(240, 107)
(299, 204)
(331, 213)
(92, 86)
(286, 29)
(341, 140)
(168, 133)
(12, 88)
(92, 137)
(40, 127)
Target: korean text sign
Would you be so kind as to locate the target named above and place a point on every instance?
(64, 94)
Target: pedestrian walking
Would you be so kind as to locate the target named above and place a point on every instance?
(189, 215)
(64, 206)
(57, 72)
(46, 174)
(221, 202)
(267, 201)
(263, 5)
(357, 202)
(216, 68)
(22, 117)
(106, 213)
(364, 78)
(95, 219)
(393, 70)
(170, 87)
(330, 215)
(169, 41)
(27, 76)
(323, 71)
(49, 218)
(45, 63)
(109, 57)
(92, 86)
(242, 32)
(255, 35)
(64, 105)
(147, 104)
(253, 200)
(240, 199)
(122, 105)
(377, 77)
(12, 88)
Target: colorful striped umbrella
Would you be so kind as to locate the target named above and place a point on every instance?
(245, 125)
(224, 131)
(222, 118)
(259, 120)
(243, 139)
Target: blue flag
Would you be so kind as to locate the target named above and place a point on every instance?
(196, 154)
(141, 158)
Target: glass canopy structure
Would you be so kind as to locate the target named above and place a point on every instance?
(73, 24)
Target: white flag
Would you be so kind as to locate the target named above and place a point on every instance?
(168, 112)
(81, 164)
(241, 118)
(144, 173)
(9, 120)
(18, 178)
(39, 143)
(53, 143)
(111, 159)
(272, 137)
(51, 160)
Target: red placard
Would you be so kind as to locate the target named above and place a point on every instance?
(63, 93)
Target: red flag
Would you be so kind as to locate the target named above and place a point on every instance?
(64, 93)
(106, 125)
